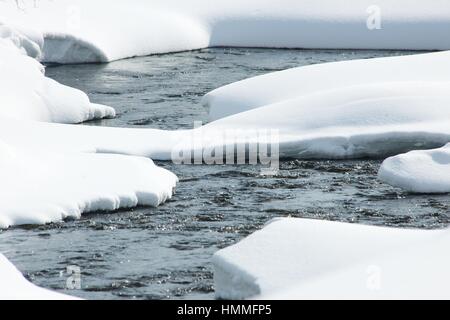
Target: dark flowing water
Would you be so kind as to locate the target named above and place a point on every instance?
(165, 252)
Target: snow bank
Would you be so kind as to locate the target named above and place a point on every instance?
(13, 286)
(144, 31)
(79, 31)
(361, 121)
(371, 120)
(322, 111)
(400, 105)
(25, 92)
(299, 82)
(42, 187)
(419, 171)
(350, 109)
(310, 257)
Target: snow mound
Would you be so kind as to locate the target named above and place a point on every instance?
(43, 187)
(79, 31)
(299, 82)
(419, 171)
(25, 92)
(289, 254)
(13, 286)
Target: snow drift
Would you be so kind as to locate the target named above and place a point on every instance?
(295, 258)
(79, 31)
(299, 82)
(419, 171)
(13, 286)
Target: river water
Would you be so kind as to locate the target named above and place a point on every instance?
(165, 252)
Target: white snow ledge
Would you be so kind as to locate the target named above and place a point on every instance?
(312, 259)
(42, 187)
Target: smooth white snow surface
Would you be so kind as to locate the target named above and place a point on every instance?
(298, 258)
(13, 286)
(419, 171)
(79, 31)
(415, 273)
(302, 81)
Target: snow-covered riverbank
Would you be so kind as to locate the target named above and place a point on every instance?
(51, 169)
(41, 185)
(79, 31)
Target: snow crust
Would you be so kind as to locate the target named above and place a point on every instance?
(296, 258)
(13, 286)
(79, 31)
